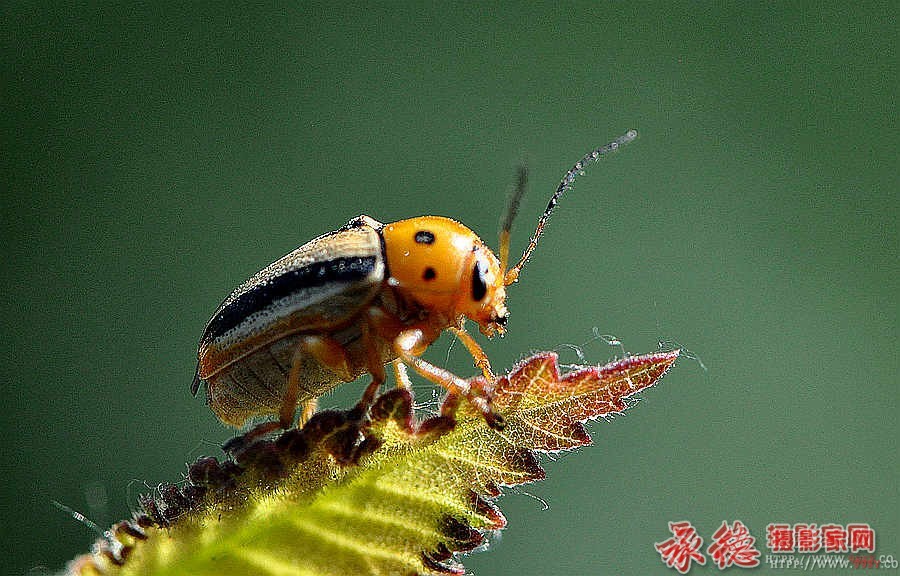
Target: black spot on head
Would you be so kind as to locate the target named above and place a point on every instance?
(479, 286)
(429, 274)
(424, 237)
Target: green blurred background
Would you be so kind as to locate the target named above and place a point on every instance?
(154, 157)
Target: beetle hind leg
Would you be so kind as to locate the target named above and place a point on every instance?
(307, 409)
(327, 352)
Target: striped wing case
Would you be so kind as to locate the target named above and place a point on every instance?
(248, 346)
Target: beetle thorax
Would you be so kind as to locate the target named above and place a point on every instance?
(444, 267)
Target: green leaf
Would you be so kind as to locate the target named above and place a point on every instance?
(380, 493)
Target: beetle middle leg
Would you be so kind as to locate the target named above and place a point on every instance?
(374, 365)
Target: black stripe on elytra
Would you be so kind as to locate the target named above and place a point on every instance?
(310, 276)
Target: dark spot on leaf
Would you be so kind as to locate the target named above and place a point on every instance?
(429, 274)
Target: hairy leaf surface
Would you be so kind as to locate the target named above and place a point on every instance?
(377, 494)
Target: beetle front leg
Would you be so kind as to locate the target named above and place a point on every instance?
(401, 375)
(412, 342)
(481, 359)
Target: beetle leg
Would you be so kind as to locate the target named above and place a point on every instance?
(327, 352)
(481, 359)
(386, 326)
(381, 323)
(410, 343)
(292, 392)
(374, 365)
(308, 408)
(239, 443)
(401, 375)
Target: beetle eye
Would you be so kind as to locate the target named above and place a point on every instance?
(479, 287)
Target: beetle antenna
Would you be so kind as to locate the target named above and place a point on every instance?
(513, 273)
(512, 209)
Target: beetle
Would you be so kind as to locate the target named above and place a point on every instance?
(352, 301)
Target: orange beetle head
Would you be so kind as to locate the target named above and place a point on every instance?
(445, 267)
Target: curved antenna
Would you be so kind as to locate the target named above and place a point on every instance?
(512, 209)
(513, 273)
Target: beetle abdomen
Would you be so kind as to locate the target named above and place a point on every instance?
(256, 385)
